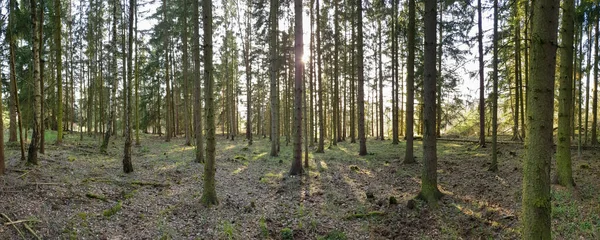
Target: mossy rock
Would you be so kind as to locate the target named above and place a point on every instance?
(287, 234)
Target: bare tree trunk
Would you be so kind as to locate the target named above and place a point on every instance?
(197, 92)
(127, 166)
(298, 90)
(35, 137)
(410, 84)
(361, 79)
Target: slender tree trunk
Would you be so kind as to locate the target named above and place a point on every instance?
(536, 205)
(197, 92)
(57, 42)
(587, 83)
(274, 86)
(563, 149)
(481, 78)
(361, 79)
(429, 190)
(113, 98)
(127, 166)
(494, 166)
(42, 126)
(137, 82)
(247, 49)
(439, 78)
(35, 137)
(298, 89)
(209, 194)
(13, 80)
(595, 93)
(410, 84)
(380, 68)
(322, 129)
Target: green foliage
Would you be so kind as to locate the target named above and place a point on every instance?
(334, 235)
(229, 230)
(113, 210)
(264, 230)
(287, 234)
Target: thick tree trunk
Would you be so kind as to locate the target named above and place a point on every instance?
(429, 190)
(565, 103)
(209, 194)
(58, 60)
(37, 121)
(536, 205)
(298, 89)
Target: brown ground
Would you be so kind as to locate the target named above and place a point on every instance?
(258, 200)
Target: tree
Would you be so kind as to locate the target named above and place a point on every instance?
(113, 98)
(410, 84)
(209, 196)
(197, 92)
(481, 78)
(274, 94)
(565, 104)
(248, 65)
(58, 60)
(298, 76)
(361, 79)
(429, 190)
(14, 106)
(494, 165)
(168, 106)
(321, 144)
(536, 206)
(37, 96)
(127, 166)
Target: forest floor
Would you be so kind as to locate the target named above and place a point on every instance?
(76, 192)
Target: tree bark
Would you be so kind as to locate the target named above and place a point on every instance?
(127, 166)
(410, 84)
(197, 92)
(274, 93)
(565, 103)
(494, 166)
(361, 79)
(298, 89)
(536, 205)
(209, 195)
(36, 126)
(429, 190)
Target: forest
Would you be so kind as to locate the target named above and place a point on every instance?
(292, 119)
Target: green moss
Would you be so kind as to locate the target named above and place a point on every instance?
(334, 235)
(287, 234)
(364, 215)
(113, 210)
(96, 196)
(264, 230)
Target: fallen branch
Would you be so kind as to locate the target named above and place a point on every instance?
(16, 228)
(31, 231)
(21, 221)
(154, 184)
(95, 196)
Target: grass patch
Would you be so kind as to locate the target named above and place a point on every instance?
(113, 210)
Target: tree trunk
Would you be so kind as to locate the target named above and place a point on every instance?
(209, 195)
(410, 84)
(429, 190)
(197, 92)
(380, 68)
(127, 166)
(57, 42)
(322, 129)
(481, 78)
(536, 205)
(13, 81)
(113, 98)
(361, 79)
(565, 103)
(298, 91)
(595, 97)
(35, 137)
(274, 87)
(494, 166)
